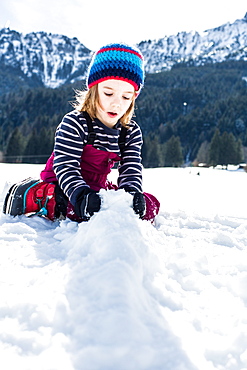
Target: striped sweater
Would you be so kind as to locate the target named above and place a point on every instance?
(70, 139)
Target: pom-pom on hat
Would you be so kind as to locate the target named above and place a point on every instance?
(117, 61)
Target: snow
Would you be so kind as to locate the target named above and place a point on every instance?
(121, 293)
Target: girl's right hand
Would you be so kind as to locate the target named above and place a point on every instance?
(87, 204)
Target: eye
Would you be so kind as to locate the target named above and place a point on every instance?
(108, 94)
(126, 98)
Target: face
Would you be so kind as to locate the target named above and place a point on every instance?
(115, 97)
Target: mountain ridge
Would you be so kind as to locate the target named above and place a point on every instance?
(226, 42)
(53, 60)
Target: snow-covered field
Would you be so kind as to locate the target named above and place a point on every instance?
(118, 293)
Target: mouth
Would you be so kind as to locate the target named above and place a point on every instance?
(112, 114)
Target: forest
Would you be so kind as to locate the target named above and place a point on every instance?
(189, 114)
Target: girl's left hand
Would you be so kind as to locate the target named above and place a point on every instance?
(139, 204)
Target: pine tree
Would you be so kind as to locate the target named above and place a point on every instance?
(225, 149)
(214, 149)
(239, 152)
(203, 153)
(228, 149)
(152, 156)
(32, 148)
(173, 152)
(15, 147)
(46, 144)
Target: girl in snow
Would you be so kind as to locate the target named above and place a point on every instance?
(100, 132)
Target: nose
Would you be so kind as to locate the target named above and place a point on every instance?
(116, 102)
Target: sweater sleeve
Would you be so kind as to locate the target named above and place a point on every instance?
(130, 168)
(70, 138)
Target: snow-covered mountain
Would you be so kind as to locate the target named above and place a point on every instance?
(56, 59)
(227, 42)
(52, 59)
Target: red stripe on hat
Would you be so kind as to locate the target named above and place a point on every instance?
(114, 78)
(120, 49)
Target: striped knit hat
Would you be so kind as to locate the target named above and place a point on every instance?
(117, 61)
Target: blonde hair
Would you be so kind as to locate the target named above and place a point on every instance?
(87, 101)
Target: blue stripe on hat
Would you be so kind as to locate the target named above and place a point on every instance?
(125, 62)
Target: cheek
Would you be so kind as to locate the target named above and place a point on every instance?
(102, 102)
(127, 104)
(99, 108)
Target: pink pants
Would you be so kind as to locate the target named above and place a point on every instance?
(95, 167)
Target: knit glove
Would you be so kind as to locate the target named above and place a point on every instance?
(87, 203)
(139, 203)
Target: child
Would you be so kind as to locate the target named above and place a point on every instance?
(87, 140)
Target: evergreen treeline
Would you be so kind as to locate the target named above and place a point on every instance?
(28, 119)
(180, 111)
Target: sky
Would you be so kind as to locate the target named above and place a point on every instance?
(98, 22)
